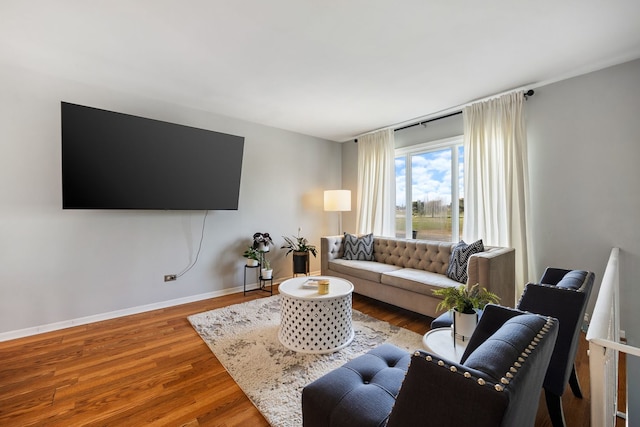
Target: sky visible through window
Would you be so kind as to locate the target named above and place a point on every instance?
(430, 176)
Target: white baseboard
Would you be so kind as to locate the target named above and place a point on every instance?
(6, 336)
(21, 333)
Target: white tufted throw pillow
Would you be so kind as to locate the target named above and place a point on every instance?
(460, 257)
(358, 248)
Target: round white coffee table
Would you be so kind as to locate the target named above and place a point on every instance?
(440, 342)
(314, 323)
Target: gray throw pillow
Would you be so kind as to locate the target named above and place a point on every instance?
(457, 269)
(358, 248)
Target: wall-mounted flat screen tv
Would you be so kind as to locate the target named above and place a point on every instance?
(117, 161)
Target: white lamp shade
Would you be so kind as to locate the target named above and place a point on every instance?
(337, 200)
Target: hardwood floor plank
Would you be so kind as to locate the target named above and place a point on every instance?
(153, 369)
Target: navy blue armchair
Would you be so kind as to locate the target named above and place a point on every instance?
(563, 294)
(501, 370)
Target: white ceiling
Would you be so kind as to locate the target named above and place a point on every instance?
(327, 68)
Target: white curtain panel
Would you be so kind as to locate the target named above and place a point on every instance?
(496, 182)
(376, 191)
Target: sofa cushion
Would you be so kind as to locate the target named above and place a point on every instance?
(419, 281)
(457, 269)
(358, 247)
(367, 270)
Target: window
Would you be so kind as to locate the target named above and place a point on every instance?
(429, 190)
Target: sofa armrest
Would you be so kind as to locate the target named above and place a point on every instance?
(331, 247)
(495, 269)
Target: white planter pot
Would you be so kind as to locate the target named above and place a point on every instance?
(464, 325)
(266, 274)
(252, 262)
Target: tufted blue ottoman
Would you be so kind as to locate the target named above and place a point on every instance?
(369, 383)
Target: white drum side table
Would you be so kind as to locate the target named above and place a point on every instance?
(440, 342)
(314, 323)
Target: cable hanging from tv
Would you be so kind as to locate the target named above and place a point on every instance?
(189, 267)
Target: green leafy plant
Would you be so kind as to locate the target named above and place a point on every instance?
(252, 253)
(298, 244)
(465, 300)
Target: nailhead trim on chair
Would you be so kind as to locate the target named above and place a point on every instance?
(534, 343)
(505, 380)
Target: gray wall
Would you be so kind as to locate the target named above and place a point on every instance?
(59, 266)
(350, 182)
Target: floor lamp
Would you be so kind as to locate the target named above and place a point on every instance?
(337, 200)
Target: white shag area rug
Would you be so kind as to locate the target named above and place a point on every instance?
(244, 337)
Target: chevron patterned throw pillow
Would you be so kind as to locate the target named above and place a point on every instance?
(460, 257)
(358, 248)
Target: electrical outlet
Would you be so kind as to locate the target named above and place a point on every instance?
(169, 277)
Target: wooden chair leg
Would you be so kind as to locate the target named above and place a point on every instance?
(573, 382)
(554, 405)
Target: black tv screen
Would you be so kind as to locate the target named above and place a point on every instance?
(118, 161)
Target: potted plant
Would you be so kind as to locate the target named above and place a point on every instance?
(464, 303)
(252, 255)
(262, 241)
(300, 249)
(266, 272)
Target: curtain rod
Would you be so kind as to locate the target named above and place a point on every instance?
(527, 94)
(424, 122)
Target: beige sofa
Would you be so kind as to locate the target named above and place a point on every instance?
(405, 272)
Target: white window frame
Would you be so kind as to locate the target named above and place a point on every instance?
(453, 143)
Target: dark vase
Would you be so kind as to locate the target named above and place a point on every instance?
(300, 263)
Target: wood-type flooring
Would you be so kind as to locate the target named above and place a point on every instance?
(152, 369)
